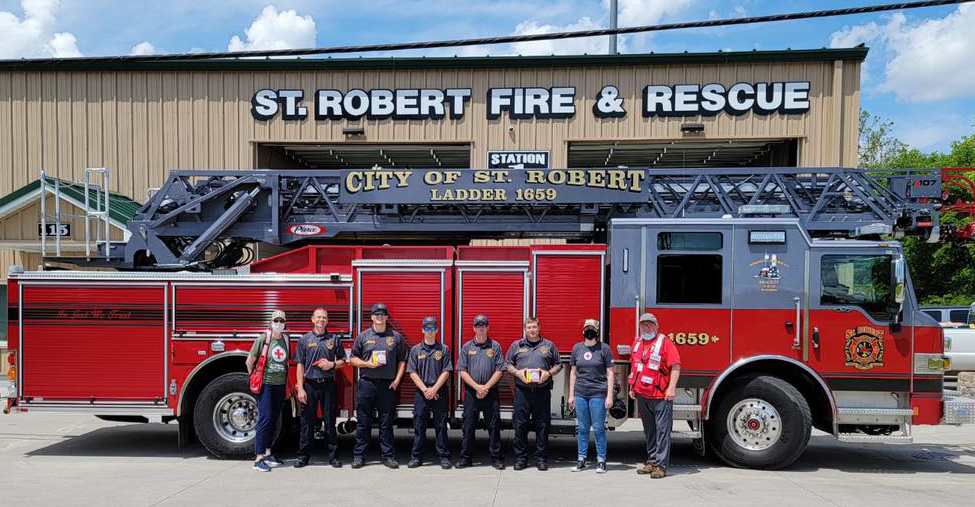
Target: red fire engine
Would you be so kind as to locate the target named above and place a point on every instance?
(790, 308)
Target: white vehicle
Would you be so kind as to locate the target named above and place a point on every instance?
(960, 342)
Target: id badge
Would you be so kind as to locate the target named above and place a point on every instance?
(646, 380)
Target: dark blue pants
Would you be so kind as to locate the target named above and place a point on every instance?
(490, 406)
(269, 403)
(422, 409)
(320, 394)
(532, 411)
(375, 395)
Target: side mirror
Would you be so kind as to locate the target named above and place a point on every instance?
(900, 280)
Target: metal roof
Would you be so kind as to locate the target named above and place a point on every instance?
(858, 53)
(122, 208)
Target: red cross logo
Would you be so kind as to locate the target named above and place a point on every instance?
(278, 354)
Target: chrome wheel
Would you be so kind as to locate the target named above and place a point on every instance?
(235, 417)
(754, 424)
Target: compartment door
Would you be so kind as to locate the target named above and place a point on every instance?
(97, 345)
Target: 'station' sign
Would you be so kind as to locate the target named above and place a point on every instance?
(472, 186)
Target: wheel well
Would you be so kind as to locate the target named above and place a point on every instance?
(807, 385)
(232, 363)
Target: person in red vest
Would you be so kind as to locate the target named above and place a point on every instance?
(654, 370)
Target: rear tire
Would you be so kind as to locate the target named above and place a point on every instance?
(761, 423)
(225, 417)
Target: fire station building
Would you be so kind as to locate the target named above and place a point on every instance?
(141, 119)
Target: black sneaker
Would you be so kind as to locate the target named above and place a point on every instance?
(262, 466)
(414, 463)
(390, 463)
(445, 464)
(580, 466)
(541, 465)
(272, 461)
(520, 464)
(498, 464)
(600, 467)
(302, 462)
(336, 463)
(357, 462)
(464, 463)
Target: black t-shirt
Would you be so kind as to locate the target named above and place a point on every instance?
(591, 364)
(388, 345)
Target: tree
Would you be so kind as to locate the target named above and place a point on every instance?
(877, 144)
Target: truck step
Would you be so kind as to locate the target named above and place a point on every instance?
(877, 411)
(958, 410)
(861, 438)
(685, 435)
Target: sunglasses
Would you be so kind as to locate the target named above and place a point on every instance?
(480, 325)
(429, 329)
(279, 321)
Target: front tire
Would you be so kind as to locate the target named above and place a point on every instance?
(762, 423)
(225, 417)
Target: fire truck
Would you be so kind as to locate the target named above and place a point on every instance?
(784, 289)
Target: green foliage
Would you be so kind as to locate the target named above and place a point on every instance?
(943, 273)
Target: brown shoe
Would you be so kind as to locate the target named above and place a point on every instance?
(658, 472)
(646, 469)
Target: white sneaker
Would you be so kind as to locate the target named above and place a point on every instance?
(600, 467)
(580, 466)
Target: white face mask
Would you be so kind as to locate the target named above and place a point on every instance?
(277, 327)
(647, 336)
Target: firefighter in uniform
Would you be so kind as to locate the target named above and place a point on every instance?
(380, 354)
(480, 364)
(533, 361)
(318, 354)
(429, 366)
(654, 370)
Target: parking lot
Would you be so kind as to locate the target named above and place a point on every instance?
(80, 460)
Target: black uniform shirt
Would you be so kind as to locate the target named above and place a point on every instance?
(429, 361)
(524, 354)
(480, 361)
(389, 342)
(312, 347)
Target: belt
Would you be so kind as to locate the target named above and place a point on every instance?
(535, 387)
(377, 380)
(318, 380)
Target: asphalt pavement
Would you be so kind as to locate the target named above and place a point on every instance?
(80, 460)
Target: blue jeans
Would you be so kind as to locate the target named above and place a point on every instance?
(269, 404)
(591, 413)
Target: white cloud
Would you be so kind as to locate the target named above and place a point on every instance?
(143, 48)
(276, 30)
(588, 45)
(647, 12)
(33, 36)
(932, 132)
(927, 61)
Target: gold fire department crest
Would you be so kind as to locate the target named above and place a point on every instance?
(437, 355)
(864, 347)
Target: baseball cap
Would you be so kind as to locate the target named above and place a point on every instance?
(593, 323)
(480, 320)
(278, 314)
(380, 309)
(429, 322)
(648, 317)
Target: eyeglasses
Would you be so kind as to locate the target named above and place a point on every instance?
(279, 321)
(480, 325)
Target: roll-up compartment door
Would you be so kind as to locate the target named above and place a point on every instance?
(567, 290)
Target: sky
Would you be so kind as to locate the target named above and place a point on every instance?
(919, 72)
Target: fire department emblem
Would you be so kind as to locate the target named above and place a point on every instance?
(278, 354)
(543, 349)
(864, 347)
(329, 344)
(489, 352)
(437, 355)
(389, 341)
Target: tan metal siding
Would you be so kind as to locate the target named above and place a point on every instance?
(143, 124)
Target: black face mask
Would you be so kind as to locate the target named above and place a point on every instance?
(590, 334)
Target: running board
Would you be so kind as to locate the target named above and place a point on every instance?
(684, 435)
(871, 416)
(868, 439)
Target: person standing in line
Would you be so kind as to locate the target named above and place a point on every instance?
(319, 355)
(274, 344)
(481, 363)
(532, 361)
(654, 370)
(380, 354)
(429, 366)
(591, 382)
